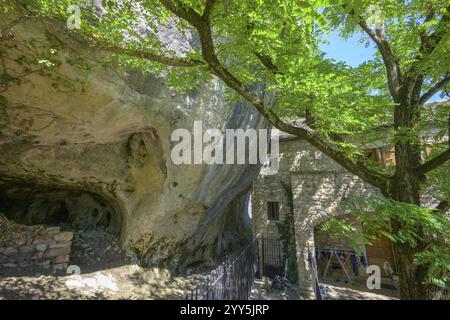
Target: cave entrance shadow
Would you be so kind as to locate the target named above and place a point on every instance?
(94, 219)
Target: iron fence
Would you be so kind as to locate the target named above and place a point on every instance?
(233, 279)
(271, 253)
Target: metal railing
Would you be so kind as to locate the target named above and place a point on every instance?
(232, 280)
(271, 256)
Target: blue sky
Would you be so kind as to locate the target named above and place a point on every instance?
(348, 50)
(352, 52)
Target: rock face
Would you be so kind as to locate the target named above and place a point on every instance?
(99, 154)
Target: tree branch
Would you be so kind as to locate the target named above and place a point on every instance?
(265, 59)
(203, 27)
(208, 8)
(391, 63)
(166, 60)
(434, 89)
(430, 42)
(433, 40)
(424, 38)
(433, 163)
(183, 11)
(267, 62)
(137, 53)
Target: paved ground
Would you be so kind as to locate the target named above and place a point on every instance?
(346, 291)
(262, 291)
(124, 282)
(134, 282)
(332, 291)
(107, 274)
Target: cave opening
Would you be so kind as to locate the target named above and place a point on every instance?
(87, 229)
(32, 204)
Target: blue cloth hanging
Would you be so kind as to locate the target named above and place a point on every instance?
(364, 261)
(354, 261)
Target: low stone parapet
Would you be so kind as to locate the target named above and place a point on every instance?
(24, 246)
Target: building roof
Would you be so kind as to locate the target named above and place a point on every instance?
(286, 137)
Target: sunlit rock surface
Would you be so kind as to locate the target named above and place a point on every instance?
(100, 156)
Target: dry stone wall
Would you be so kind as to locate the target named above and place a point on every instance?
(25, 246)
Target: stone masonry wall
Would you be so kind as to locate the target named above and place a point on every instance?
(269, 188)
(319, 186)
(25, 246)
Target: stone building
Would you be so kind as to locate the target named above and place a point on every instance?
(314, 188)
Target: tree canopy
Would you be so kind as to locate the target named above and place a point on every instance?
(276, 43)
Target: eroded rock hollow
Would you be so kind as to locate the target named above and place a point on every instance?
(98, 154)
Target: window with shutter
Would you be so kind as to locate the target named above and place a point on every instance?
(273, 211)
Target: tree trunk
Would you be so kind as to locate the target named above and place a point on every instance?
(412, 277)
(406, 189)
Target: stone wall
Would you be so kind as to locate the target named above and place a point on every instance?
(269, 188)
(33, 246)
(319, 186)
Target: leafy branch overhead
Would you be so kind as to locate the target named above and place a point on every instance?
(276, 43)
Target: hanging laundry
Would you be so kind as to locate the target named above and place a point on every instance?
(364, 261)
(388, 269)
(354, 261)
(335, 259)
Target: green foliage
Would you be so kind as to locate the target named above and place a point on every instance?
(3, 100)
(287, 237)
(417, 225)
(437, 183)
(344, 100)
